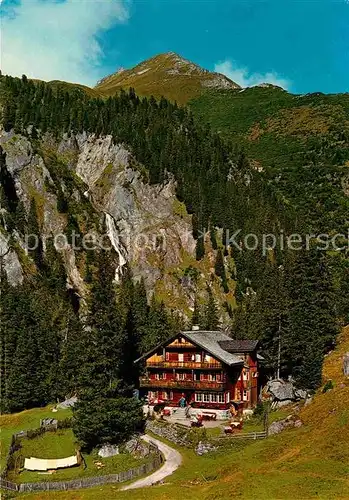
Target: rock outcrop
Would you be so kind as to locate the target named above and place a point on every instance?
(288, 423)
(10, 261)
(284, 392)
(108, 450)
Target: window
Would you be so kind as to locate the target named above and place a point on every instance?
(151, 395)
(227, 399)
(206, 397)
(246, 375)
(213, 398)
(196, 376)
(171, 395)
(220, 398)
(245, 396)
(198, 396)
(164, 395)
(180, 376)
(167, 356)
(198, 358)
(181, 357)
(254, 374)
(212, 377)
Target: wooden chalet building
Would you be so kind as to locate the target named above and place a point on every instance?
(207, 368)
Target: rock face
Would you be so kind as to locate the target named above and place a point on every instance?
(108, 450)
(346, 364)
(11, 262)
(140, 218)
(145, 224)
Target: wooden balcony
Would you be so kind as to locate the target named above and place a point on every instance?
(182, 384)
(192, 365)
(186, 345)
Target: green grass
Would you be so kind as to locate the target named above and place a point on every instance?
(305, 463)
(61, 444)
(274, 126)
(25, 420)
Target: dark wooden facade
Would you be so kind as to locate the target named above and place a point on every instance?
(183, 368)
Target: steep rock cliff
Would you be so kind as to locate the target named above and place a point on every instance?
(144, 224)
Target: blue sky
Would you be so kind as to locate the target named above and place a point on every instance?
(302, 45)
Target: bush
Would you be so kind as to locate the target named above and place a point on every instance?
(328, 386)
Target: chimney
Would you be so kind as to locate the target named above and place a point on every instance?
(195, 328)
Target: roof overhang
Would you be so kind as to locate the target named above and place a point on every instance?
(188, 337)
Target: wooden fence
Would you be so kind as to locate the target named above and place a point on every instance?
(87, 482)
(73, 484)
(243, 435)
(179, 434)
(30, 434)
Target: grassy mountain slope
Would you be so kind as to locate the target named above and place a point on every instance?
(167, 75)
(308, 462)
(276, 127)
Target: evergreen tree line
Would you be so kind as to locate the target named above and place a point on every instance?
(292, 301)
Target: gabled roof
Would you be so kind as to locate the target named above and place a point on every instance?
(210, 341)
(233, 345)
(207, 340)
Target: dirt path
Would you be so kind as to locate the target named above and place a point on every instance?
(173, 460)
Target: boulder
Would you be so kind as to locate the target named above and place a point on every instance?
(308, 401)
(108, 450)
(48, 421)
(284, 392)
(281, 425)
(301, 393)
(281, 390)
(137, 447)
(346, 364)
(203, 448)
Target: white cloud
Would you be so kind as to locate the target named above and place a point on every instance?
(55, 39)
(245, 78)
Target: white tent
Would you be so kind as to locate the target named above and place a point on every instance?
(42, 464)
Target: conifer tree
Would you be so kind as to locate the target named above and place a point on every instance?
(24, 385)
(210, 315)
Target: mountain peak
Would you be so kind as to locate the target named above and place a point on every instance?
(167, 74)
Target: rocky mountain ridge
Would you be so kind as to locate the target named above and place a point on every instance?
(166, 74)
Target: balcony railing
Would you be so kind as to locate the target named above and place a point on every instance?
(182, 384)
(176, 344)
(183, 364)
